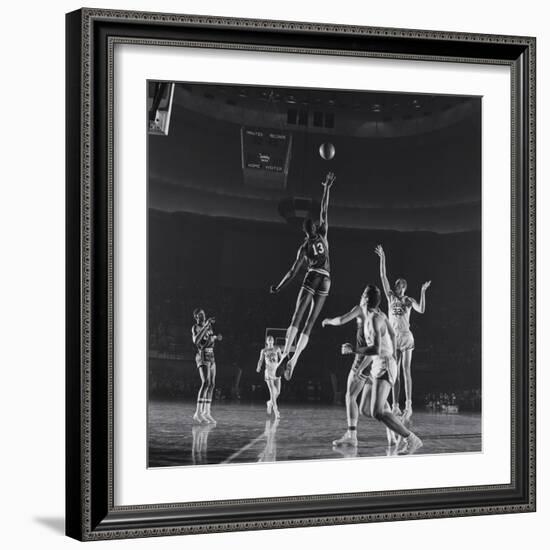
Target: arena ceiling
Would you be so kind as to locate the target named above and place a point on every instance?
(403, 161)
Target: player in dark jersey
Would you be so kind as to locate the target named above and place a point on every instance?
(314, 253)
(204, 338)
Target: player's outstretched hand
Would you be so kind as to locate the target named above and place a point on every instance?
(426, 285)
(219, 337)
(273, 289)
(325, 323)
(347, 349)
(329, 179)
(380, 251)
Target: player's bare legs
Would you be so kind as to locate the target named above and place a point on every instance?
(354, 386)
(396, 389)
(291, 333)
(382, 412)
(210, 385)
(302, 303)
(272, 403)
(201, 396)
(406, 362)
(275, 390)
(317, 304)
(365, 408)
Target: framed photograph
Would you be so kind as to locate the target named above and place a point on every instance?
(300, 274)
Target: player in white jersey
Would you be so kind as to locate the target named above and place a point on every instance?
(204, 339)
(399, 310)
(271, 356)
(380, 345)
(357, 377)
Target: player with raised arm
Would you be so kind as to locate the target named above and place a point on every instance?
(314, 252)
(271, 355)
(399, 310)
(380, 341)
(204, 339)
(357, 377)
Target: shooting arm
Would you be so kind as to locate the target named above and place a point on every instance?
(324, 207)
(384, 276)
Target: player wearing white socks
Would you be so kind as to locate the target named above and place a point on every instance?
(271, 356)
(399, 311)
(314, 252)
(204, 339)
(357, 377)
(380, 345)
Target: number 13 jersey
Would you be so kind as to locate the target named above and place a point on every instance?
(316, 254)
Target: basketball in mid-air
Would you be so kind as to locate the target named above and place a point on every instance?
(327, 151)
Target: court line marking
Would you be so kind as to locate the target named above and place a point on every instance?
(427, 438)
(243, 449)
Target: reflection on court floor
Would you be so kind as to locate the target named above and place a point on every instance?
(244, 433)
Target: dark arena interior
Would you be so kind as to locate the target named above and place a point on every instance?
(230, 180)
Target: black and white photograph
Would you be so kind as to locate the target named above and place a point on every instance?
(300, 273)
(313, 274)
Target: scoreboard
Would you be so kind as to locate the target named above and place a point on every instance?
(265, 156)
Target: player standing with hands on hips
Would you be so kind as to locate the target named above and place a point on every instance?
(399, 311)
(314, 252)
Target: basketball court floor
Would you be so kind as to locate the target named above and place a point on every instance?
(244, 433)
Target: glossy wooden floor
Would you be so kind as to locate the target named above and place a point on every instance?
(244, 433)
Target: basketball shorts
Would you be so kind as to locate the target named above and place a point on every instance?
(404, 340)
(384, 368)
(316, 283)
(205, 358)
(361, 363)
(270, 372)
(361, 367)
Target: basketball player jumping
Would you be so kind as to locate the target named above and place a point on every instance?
(380, 345)
(271, 356)
(204, 338)
(399, 310)
(314, 252)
